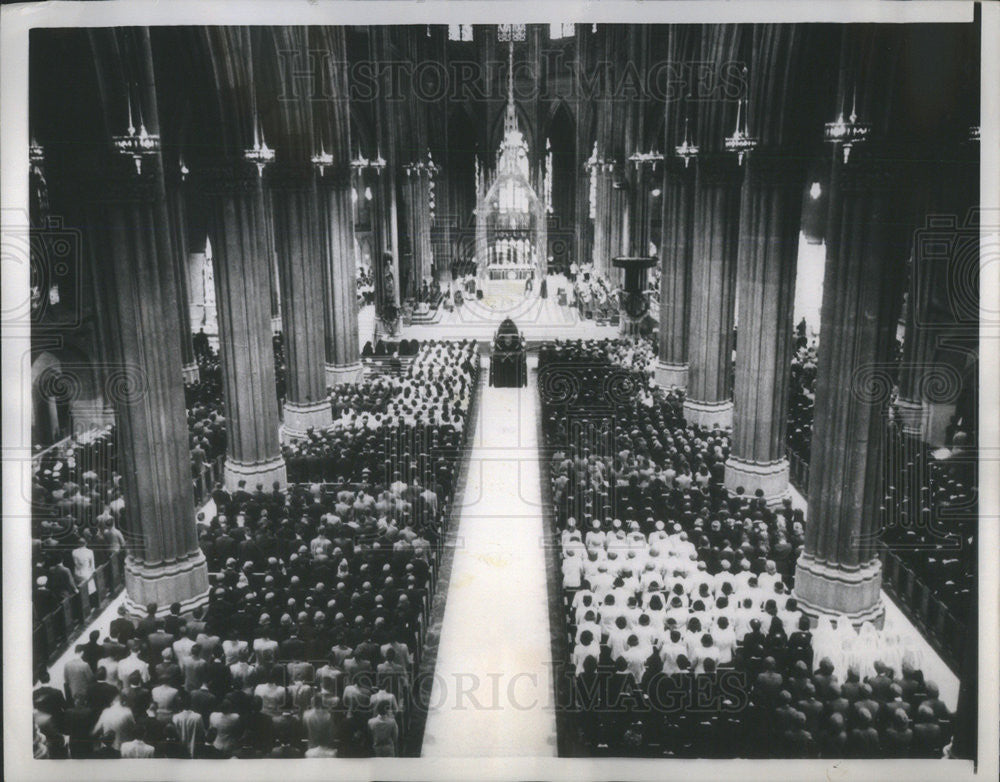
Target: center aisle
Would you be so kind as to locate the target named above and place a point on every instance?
(492, 690)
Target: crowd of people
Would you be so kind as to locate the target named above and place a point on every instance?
(366, 286)
(206, 417)
(77, 508)
(594, 296)
(383, 348)
(423, 411)
(928, 522)
(311, 635)
(675, 589)
(801, 393)
(78, 503)
(928, 514)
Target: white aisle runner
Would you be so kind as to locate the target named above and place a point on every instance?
(492, 691)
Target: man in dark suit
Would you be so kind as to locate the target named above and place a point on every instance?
(222, 499)
(173, 621)
(122, 628)
(242, 496)
(92, 650)
(158, 640)
(46, 697)
(78, 723)
(101, 693)
(147, 624)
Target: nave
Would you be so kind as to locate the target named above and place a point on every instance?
(321, 532)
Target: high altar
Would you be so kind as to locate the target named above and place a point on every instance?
(510, 217)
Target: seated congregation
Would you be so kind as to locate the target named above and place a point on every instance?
(683, 637)
(319, 599)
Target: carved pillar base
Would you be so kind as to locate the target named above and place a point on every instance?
(670, 375)
(184, 581)
(709, 414)
(349, 373)
(911, 414)
(771, 478)
(300, 418)
(822, 588)
(265, 473)
(191, 373)
(87, 414)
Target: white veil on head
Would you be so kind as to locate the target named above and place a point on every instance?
(823, 635)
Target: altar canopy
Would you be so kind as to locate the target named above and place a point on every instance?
(510, 217)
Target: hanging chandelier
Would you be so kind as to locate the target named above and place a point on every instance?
(651, 158)
(598, 163)
(741, 142)
(686, 150)
(322, 160)
(421, 167)
(260, 154)
(137, 143)
(36, 155)
(362, 163)
(847, 133)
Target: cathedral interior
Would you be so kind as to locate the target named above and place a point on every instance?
(620, 362)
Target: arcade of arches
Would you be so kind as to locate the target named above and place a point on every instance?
(279, 334)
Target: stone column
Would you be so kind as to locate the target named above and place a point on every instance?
(839, 570)
(675, 275)
(342, 364)
(618, 233)
(713, 281)
(131, 241)
(178, 232)
(130, 245)
(418, 223)
(300, 271)
(242, 293)
(602, 253)
(929, 376)
(770, 215)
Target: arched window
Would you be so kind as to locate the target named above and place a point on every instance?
(557, 31)
(459, 32)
